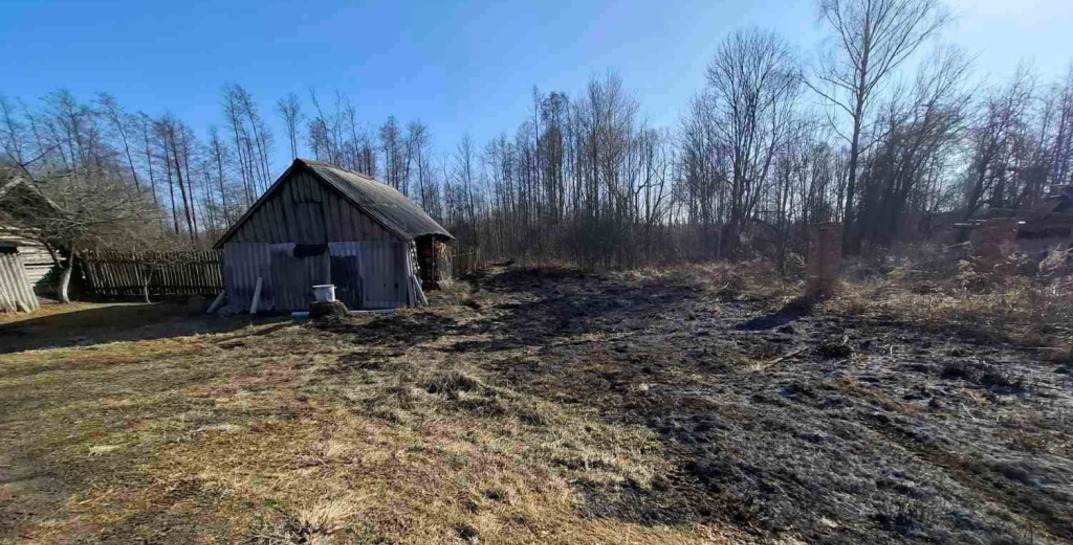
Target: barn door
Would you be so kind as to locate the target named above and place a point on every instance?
(346, 275)
(375, 269)
(295, 269)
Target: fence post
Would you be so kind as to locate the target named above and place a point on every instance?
(824, 259)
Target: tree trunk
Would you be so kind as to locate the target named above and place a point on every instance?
(147, 275)
(65, 279)
(848, 216)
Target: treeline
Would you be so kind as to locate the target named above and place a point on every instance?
(893, 149)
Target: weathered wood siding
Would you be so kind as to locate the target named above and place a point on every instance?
(113, 273)
(382, 266)
(368, 264)
(243, 264)
(377, 268)
(35, 258)
(304, 211)
(16, 293)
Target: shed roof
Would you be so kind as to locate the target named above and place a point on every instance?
(383, 203)
(10, 179)
(19, 196)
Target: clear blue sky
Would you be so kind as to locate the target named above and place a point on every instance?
(458, 66)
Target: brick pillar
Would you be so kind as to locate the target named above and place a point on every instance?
(992, 242)
(824, 258)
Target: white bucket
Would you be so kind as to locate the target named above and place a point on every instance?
(325, 293)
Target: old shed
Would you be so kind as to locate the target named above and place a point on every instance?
(322, 224)
(24, 259)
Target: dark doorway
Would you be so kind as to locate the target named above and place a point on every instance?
(346, 275)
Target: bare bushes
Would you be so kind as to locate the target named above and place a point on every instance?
(957, 293)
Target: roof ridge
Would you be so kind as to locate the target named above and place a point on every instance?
(312, 162)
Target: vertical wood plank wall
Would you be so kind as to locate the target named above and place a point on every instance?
(381, 265)
(292, 215)
(16, 293)
(36, 260)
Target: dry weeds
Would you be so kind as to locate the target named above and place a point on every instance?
(948, 295)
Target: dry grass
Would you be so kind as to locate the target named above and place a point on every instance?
(919, 285)
(47, 309)
(1035, 312)
(756, 280)
(268, 435)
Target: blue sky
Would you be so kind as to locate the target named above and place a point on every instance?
(458, 66)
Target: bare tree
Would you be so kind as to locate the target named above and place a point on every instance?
(74, 210)
(176, 142)
(218, 157)
(584, 178)
(12, 134)
(251, 140)
(145, 126)
(921, 129)
(1061, 101)
(290, 110)
(753, 84)
(393, 149)
(871, 39)
(120, 122)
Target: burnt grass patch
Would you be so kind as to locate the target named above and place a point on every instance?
(640, 398)
(835, 428)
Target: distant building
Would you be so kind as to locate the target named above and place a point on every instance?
(322, 224)
(1053, 218)
(17, 195)
(24, 259)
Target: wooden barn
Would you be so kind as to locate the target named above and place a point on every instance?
(16, 192)
(24, 260)
(322, 224)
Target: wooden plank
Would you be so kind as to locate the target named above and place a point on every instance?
(256, 296)
(16, 292)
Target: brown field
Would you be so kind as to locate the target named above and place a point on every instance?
(537, 406)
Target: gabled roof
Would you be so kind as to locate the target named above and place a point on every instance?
(15, 185)
(383, 203)
(10, 179)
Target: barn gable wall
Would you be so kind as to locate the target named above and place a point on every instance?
(305, 211)
(35, 258)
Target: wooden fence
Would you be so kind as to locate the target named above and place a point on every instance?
(161, 274)
(16, 293)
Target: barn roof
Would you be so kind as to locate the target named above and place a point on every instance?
(383, 203)
(16, 190)
(11, 179)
